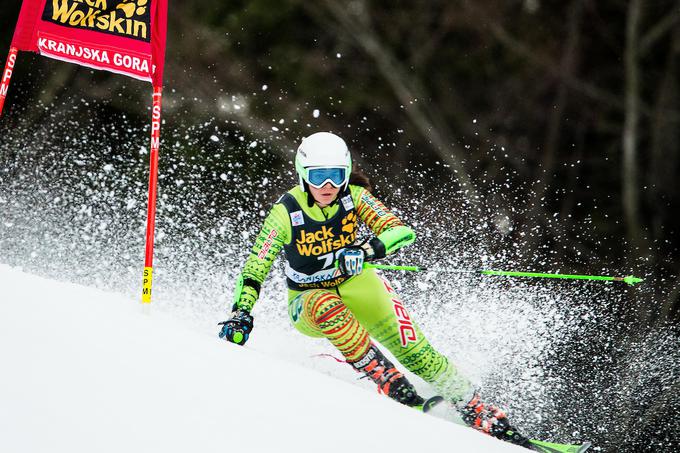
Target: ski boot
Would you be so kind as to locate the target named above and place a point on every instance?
(375, 366)
(491, 420)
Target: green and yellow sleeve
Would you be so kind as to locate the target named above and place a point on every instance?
(390, 231)
(275, 232)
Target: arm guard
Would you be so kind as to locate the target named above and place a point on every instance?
(396, 238)
(246, 293)
(388, 242)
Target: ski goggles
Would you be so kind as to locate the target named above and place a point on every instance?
(318, 177)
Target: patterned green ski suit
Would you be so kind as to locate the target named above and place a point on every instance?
(346, 311)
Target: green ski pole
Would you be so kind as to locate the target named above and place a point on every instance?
(631, 280)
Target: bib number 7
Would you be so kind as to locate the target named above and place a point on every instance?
(329, 258)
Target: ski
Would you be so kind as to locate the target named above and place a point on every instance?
(514, 437)
(549, 447)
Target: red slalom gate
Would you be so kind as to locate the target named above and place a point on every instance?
(122, 37)
(7, 75)
(153, 190)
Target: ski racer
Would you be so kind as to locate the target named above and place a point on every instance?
(330, 293)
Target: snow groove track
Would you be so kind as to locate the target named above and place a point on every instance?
(87, 371)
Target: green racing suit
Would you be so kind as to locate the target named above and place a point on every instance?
(348, 311)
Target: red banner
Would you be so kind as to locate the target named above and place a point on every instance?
(122, 36)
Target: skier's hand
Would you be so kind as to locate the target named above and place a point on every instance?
(351, 260)
(237, 328)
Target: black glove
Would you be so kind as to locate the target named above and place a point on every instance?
(237, 328)
(351, 259)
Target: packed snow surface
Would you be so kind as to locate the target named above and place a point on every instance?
(89, 371)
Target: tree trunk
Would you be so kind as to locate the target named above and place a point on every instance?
(630, 138)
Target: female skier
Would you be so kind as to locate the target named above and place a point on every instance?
(332, 296)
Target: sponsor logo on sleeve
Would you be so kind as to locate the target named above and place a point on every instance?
(375, 205)
(267, 244)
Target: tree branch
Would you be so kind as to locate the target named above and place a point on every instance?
(408, 91)
(658, 30)
(550, 66)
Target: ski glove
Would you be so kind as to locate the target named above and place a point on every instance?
(351, 260)
(237, 328)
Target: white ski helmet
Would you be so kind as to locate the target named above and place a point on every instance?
(323, 157)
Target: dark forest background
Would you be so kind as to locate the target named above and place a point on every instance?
(557, 120)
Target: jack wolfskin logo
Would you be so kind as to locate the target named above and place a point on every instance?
(322, 241)
(127, 18)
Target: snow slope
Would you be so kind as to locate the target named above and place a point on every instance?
(86, 371)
